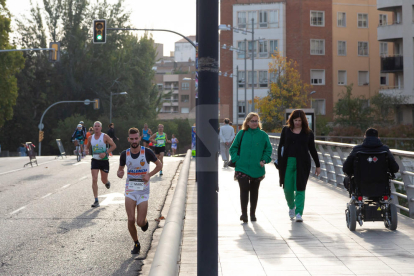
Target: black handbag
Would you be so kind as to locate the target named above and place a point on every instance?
(231, 163)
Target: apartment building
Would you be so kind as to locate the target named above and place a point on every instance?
(397, 29)
(184, 51)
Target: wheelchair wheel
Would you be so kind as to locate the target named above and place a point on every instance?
(351, 217)
(393, 222)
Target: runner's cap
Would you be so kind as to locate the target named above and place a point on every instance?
(79, 125)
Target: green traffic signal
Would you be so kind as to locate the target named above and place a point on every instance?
(99, 31)
(99, 37)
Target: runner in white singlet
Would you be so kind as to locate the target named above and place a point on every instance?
(174, 142)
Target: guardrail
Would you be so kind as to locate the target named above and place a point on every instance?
(332, 155)
(397, 143)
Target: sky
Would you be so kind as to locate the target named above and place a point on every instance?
(175, 15)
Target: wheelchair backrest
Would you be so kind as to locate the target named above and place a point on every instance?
(371, 173)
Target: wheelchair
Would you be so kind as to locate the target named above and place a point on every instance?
(370, 192)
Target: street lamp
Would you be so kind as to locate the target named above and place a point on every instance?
(110, 103)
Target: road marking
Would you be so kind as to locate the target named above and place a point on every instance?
(21, 208)
(65, 186)
(110, 199)
(46, 195)
(26, 168)
(82, 178)
(82, 162)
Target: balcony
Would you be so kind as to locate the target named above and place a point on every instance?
(392, 90)
(390, 31)
(392, 64)
(169, 88)
(388, 5)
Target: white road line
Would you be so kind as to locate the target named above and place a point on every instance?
(15, 211)
(34, 165)
(46, 195)
(63, 187)
(80, 163)
(82, 178)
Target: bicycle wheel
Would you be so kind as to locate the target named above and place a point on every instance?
(78, 153)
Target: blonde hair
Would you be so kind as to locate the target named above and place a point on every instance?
(248, 118)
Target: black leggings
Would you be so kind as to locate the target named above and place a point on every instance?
(247, 185)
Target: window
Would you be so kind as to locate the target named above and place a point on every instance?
(319, 106)
(241, 19)
(341, 48)
(251, 48)
(263, 19)
(160, 86)
(362, 20)
(383, 49)
(263, 49)
(317, 18)
(175, 98)
(250, 80)
(383, 19)
(341, 77)
(363, 49)
(273, 77)
(273, 19)
(242, 48)
(318, 77)
(241, 109)
(174, 109)
(252, 15)
(242, 79)
(185, 110)
(185, 99)
(185, 86)
(384, 79)
(317, 47)
(341, 19)
(363, 78)
(273, 46)
(262, 78)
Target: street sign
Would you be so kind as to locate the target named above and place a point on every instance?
(87, 102)
(41, 126)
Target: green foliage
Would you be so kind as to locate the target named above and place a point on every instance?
(323, 125)
(10, 64)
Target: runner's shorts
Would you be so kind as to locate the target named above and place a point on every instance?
(102, 165)
(146, 141)
(174, 146)
(158, 150)
(139, 198)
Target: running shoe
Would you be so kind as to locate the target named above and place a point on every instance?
(95, 204)
(299, 218)
(145, 227)
(108, 185)
(160, 173)
(292, 213)
(136, 249)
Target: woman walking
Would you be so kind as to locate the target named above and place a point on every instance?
(296, 141)
(255, 151)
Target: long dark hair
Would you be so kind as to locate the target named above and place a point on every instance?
(296, 114)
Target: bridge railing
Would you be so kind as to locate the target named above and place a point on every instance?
(332, 155)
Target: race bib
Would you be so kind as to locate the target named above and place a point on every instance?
(136, 185)
(160, 142)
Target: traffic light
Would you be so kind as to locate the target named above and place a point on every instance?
(41, 135)
(54, 56)
(96, 104)
(99, 31)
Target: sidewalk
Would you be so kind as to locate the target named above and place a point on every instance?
(275, 245)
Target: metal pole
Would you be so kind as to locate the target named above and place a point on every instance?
(207, 132)
(245, 77)
(110, 108)
(21, 50)
(254, 80)
(237, 99)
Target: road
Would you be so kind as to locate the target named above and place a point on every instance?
(47, 226)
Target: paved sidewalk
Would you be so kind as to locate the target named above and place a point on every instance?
(275, 245)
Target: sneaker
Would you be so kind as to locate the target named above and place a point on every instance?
(145, 227)
(108, 185)
(292, 213)
(95, 204)
(136, 249)
(299, 218)
(244, 218)
(160, 173)
(225, 164)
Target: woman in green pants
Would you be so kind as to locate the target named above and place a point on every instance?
(296, 141)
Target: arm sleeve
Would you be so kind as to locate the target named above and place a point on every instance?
(221, 135)
(232, 134)
(122, 159)
(267, 152)
(348, 166)
(74, 133)
(281, 143)
(393, 165)
(312, 150)
(235, 147)
(150, 156)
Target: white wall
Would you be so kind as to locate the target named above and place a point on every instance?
(184, 51)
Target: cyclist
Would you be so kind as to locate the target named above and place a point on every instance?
(160, 138)
(146, 134)
(79, 137)
(137, 186)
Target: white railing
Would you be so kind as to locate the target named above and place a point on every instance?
(332, 156)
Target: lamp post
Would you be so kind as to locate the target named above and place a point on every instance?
(311, 93)
(110, 103)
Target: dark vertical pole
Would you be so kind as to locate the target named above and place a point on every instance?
(207, 133)
(196, 97)
(254, 52)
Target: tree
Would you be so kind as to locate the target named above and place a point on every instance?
(383, 108)
(10, 64)
(287, 90)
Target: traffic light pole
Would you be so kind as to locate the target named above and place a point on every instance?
(21, 50)
(41, 126)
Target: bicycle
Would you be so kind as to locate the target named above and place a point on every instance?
(78, 150)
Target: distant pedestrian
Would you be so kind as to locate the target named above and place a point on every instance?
(226, 135)
(296, 141)
(22, 150)
(88, 134)
(111, 133)
(255, 152)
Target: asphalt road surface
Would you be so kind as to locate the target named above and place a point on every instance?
(47, 225)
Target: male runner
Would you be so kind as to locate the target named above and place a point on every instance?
(137, 186)
(146, 133)
(159, 139)
(99, 161)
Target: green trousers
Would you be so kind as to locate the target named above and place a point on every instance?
(294, 198)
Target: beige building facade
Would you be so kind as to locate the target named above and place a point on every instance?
(356, 50)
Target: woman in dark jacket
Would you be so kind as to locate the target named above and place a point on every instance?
(297, 141)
